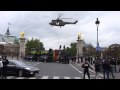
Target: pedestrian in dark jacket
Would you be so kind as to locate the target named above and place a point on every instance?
(106, 67)
(86, 67)
(97, 68)
(74, 58)
(5, 62)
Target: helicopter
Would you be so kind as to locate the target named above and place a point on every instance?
(60, 22)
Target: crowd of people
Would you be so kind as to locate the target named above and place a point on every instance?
(105, 65)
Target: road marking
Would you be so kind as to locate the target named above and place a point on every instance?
(20, 78)
(78, 64)
(66, 77)
(44, 77)
(86, 77)
(76, 69)
(101, 75)
(29, 64)
(11, 77)
(56, 77)
(98, 74)
(99, 78)
(91, 71)
(32, 78)
(36, 64)
(77, 78)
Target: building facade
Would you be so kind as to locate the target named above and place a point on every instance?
(9, 45)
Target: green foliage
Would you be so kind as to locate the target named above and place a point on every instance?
(34, 44)
(89, 50)
(72, 49)
(113, 51)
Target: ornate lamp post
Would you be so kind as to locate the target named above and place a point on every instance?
(97, 22)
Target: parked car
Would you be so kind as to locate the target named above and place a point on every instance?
(64, 59)
(43, 57)
(19, 68)
(30, 57)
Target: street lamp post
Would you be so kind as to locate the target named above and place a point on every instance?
(97, 22)
(78, 46)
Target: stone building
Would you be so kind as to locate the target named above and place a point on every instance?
(9, 44)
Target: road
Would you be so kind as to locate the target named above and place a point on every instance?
(55, 70)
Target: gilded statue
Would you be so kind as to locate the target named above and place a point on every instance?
(79, 35)
(22, 34)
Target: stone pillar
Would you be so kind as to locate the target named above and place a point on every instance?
(22, 45)
(79, 48)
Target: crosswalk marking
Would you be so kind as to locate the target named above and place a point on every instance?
(86, 77)
(91, 71)
(11, 77)
(78, 64)
(32, 78)
(20, 78)
(77, 78)
(101, 75)
(45, 77)
(76, 68)
(99, 78)
(56, 77)
(66, 77)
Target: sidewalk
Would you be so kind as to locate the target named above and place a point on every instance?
(116, 75)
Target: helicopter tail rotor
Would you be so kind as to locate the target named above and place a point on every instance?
(75, 22)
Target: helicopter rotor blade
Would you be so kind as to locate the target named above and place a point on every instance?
(66, 18)
(48, 17)
(59, 16)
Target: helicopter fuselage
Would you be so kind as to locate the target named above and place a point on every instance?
(60, 23)
(57, 23)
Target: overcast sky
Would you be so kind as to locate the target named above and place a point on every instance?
(36, 24)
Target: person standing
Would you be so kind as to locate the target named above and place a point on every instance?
(1, 67)
(97, 68)
(106, 69)
(74, 58)
(4, 70)
(91, 60)
(111, 71)
(81, 59)
(86, 67)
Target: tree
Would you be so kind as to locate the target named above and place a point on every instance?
(113, 50)
(34, 44)
(72, 50)
(1, 49)
(89, 50)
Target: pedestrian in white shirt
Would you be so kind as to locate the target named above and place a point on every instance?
(1, 66)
